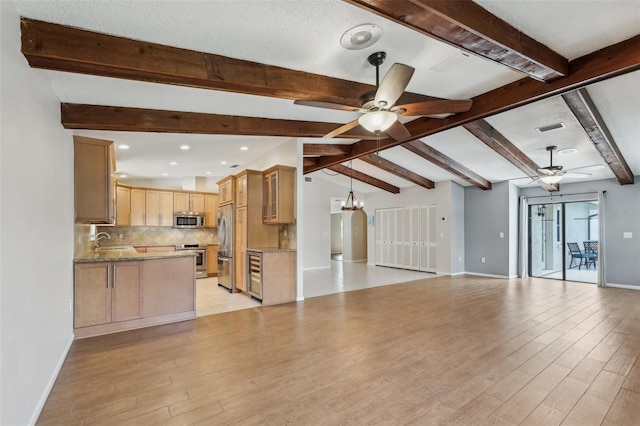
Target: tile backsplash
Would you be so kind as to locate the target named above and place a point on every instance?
(157, 236)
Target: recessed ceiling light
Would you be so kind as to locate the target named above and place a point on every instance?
(223, 162)
(244, 148)
(360, 37)
(123, 146)
(123, 176)
(208, 173)
(165, 174)
(568, 151)
(173, 163)
(184, 147)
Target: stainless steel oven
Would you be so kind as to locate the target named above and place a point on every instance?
(201, 257)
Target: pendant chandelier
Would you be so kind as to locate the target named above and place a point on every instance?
(351, 203)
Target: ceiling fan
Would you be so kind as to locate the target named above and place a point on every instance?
(380, 114)
(554, 173)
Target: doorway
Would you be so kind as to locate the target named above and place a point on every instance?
(563, 241)
(336, 236)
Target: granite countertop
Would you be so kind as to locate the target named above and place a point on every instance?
(270, 249)
(125, 253)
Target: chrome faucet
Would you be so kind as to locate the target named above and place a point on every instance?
(99, 237)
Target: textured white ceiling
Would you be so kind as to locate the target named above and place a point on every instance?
(304, 35)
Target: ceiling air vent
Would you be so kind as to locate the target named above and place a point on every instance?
(550, 127)
(307, 179)
(233, 166)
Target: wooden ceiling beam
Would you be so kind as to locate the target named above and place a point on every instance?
(61, 48)
(612, 61)
(325, 149)
(388, 166)
(468, 26)
(503, 146)
(448, 164)
(362, 177)
(101, 117)
(582, 106)
(308, 161)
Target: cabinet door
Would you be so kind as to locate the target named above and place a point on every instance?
(94, 164)
(196, 203)
(241, 191)
(211, 210)
(240, 252)
(126, 303)
(273, 192)
(166, 208)
(123, 206)
(138, 207)
(180, 202)
(152, 206)
(92, 295)
(212, 260)
(266, 198)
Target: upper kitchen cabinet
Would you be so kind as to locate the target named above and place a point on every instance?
(159, 208)
(211, 210)
(94, 163)
(123, 206)
(186, 202)
(240, 199)
(225, 190)
(138, 207)
(278, 194)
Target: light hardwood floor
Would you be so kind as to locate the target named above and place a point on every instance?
(461, 350)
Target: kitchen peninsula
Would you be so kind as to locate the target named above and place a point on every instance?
(119, 289)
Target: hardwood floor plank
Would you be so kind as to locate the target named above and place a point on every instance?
(625, 409)
(447, 350)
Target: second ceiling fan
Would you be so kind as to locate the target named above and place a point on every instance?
(380, 114)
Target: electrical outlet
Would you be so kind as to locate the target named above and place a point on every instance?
(627, 235)
(483, 260)
(460, 259)
(502, 235)
(121, 236)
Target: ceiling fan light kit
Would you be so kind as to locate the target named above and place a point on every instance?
(361, 37)
(551, 179)
(377, 121)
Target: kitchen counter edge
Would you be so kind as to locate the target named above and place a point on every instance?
(271, 250)
(127, 256)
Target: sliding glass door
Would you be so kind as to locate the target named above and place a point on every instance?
(563, 241)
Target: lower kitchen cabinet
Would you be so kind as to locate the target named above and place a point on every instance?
(271, 276)
(107, 292)
(124, 295)
(212, 260)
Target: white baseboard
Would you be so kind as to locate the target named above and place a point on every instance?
(355, 261)
(317, 267)
(627, 286)
(52, 380)
(455, 273)
(300, 299)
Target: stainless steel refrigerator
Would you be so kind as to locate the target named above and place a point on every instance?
(225, 250)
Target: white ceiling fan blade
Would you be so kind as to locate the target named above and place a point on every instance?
(590, 168)
(393, 85)
(576, 175)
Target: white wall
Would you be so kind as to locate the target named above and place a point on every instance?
(316, 232)
(36, 231)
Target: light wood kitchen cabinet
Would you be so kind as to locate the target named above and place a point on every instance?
(168, 289)
(123, 206)
(278, 195)
(95, 198)
(158, 208)
(212, 260)
(160, 249)
(107, 292)
(272, 276)
(211, 210)
(186, 202)
(225, 190)
(240, 199)
(249, 230)
(240, 250)
(123, 295)
(138, 207)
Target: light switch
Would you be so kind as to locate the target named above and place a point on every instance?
(627, 235)
(483, 260)
(502, 235)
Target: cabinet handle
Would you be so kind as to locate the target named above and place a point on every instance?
(108, 275)
(113, 281)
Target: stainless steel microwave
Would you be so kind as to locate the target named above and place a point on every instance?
(188, 220)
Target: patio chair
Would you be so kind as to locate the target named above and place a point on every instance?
(590, 254)
(576, 253)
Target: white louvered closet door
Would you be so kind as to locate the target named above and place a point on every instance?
(378, 224)
(428, 238)
(411, 252)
